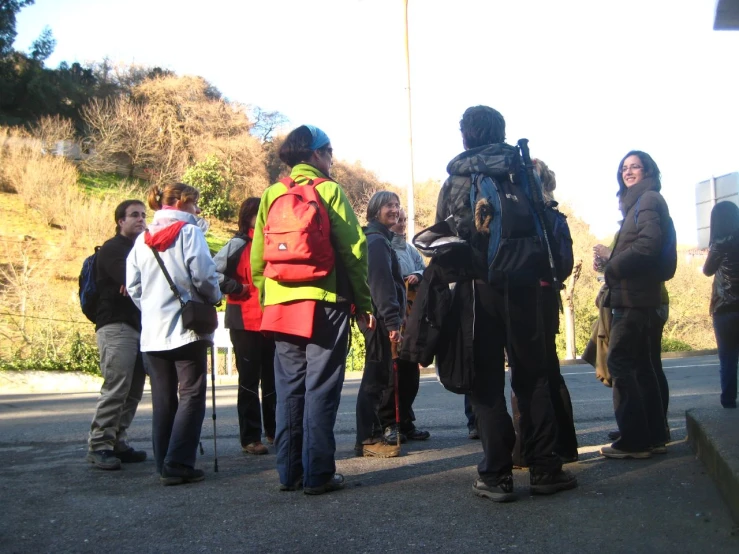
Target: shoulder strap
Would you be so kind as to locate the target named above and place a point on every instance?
(636, 210)
(169, 279)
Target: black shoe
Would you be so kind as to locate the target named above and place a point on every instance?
(501, 492)
(296, 486)
(336, 483)
(131, 456)
(473, 435)
(549, 483)
(415, 434)
(614, 435)
(391, 435)
(104, 459)
(177, 474)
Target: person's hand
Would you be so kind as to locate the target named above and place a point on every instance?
(412, 279)
(124, 290)
(395, 336)
(368, 320)
(601, 251)
(243, 295)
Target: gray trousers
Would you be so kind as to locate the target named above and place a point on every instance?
(122, 367)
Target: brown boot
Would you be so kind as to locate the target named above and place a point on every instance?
(255, 448)
(380, 449)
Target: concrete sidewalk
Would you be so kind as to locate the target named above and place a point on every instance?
(713, 433)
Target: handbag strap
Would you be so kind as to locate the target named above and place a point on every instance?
(169, 279)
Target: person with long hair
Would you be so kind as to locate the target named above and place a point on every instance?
(176, 357)
(310, 320)
(635, 288)
(254, 350)
(723, 263)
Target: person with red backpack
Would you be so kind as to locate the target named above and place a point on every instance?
(255, 351)
(309, 263)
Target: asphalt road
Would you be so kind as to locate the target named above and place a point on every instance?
(52, 500)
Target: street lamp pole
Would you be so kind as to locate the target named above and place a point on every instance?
(410, 208)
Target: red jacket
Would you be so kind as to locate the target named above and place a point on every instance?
(242, 311)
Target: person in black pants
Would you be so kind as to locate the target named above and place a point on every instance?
(409, 373)
(633, 278)
(506, 314)
(388, 299)
(254, 350)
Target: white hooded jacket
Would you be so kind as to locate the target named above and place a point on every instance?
(193, 271)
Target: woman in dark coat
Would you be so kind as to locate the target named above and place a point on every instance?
(255, 351)
(723, 263)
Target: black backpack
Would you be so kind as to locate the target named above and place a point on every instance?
(560, 240)
(89, 293)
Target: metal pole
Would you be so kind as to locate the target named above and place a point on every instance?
(411, 212)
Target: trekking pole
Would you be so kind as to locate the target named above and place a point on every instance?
(213, 396)
(523, 144)
(396, 356)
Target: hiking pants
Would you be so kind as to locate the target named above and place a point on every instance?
(122, 367)
(726, 328)
(518, 313)
(309, 375)
(177, 422)
(255, 361)
(409, 381)
(636, 397)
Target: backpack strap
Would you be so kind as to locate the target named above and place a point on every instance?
(636, 210)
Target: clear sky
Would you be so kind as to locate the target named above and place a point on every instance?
(584, 80)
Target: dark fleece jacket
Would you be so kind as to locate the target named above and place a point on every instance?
(385, 280)
(632, 271)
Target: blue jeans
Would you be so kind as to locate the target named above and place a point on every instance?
(309, 375)
(726, 327)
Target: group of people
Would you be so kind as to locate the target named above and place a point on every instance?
(291, 336)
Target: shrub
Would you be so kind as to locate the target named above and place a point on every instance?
(355, 357)
(208, 177)
(675, 345)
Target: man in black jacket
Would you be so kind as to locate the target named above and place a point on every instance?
(505, 316)
(118, 330)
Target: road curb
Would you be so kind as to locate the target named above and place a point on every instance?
(713, 434)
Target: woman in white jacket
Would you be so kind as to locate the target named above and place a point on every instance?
(176, 357)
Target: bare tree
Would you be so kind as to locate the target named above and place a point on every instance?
(53, 129)
(569, 311)
(267, 123)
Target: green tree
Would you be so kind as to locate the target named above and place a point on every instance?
(8, 11)
(43, 46)
(208, 177)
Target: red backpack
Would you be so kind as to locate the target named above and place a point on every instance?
(297, 235)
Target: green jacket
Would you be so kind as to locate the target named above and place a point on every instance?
(346, 235)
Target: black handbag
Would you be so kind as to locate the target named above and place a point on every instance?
(196, 316)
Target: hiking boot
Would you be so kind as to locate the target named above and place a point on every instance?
(380, 449)
(131, 456)
(658, 449)
(416, 434)
(104, 459)
(473, 435)
(336, 483)
(614, 435)
(549, 483)
(177, 474)
(256, 448)
(296, 486)
(391, 435)
(501, 492)
(611, 452)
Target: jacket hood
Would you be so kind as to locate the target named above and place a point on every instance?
(375, 226)
(165, 228)
(491, 159)
(632, 194)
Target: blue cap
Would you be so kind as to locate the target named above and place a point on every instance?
(320, 139)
